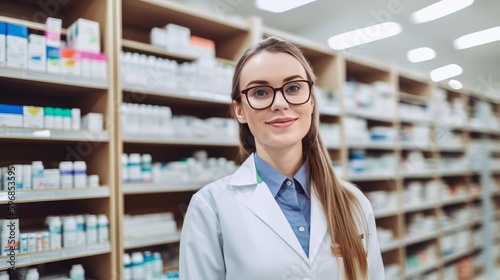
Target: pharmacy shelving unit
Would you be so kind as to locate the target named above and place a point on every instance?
(231, 37)
(24, 145)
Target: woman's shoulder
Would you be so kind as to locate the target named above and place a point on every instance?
(209, 192)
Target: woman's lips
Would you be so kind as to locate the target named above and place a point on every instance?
(282, 122)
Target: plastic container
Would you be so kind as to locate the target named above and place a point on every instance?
(102, 228)
(137, 266)
(146, 168)
(125, 172)
(37, 175)
(91, 228)
(81, 236)
(134, 168)
(77, 272)
(54, 227)
(69, 231)
(80, 174)
(66, 172)
(127, 262)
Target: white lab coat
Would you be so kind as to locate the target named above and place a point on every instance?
(235, 230)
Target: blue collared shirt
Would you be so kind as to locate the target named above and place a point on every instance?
(292, 196)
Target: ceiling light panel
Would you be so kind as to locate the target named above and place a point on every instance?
(364, 35)
(280, 6)
(477, 38)
(446, 72)
(421, 54)
(439, 9)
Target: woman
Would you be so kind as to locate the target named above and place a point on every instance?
(283, 214)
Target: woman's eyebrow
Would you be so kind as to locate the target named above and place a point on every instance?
(262, 82)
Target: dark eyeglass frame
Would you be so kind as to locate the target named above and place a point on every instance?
(245, 91)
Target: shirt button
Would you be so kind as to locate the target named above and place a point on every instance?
(288, 182)
(302, 228)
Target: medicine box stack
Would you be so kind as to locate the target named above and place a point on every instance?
(177, 38)
(49, 118)
(35, 176)
(81, 56)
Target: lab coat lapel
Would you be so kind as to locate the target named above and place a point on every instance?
(264, 206)
(318, 225)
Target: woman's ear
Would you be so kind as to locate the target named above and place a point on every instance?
(238, 111)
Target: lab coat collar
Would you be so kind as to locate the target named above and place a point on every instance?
(264, 206)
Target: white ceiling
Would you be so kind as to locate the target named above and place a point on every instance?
(321, 19)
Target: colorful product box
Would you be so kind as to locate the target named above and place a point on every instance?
(17, 46)
(37, 52)
(53, 32)
(70, 62)
(11, 115)
(84, 35)
(33, 116)
(53, 60)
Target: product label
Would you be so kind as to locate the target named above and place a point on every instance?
(12, 120)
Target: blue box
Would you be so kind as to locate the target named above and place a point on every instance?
(11, 115)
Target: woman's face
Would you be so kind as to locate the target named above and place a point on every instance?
(282, 125)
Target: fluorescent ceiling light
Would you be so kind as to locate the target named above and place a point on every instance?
(421, 54)
(439, 9)
(364, 35)
(446, 72)
(454, 84)
(477, 38)
(279, 6)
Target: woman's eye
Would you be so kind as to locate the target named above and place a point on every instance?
(293, 88)
(260, 93)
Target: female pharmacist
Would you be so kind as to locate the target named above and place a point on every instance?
(283, 214)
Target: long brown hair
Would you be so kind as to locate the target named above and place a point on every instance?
(343, 212)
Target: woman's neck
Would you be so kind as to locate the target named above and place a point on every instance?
(287, 161)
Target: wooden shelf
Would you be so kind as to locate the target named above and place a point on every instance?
(452, 173)
(455, 200)
(188, 95)
(387, 213)
(150, 49)
(55, 194)
(152, 240)
(330, 111)
(420, 238)
(390, 246)
(162, 187)
(373, 145)
(365, 114)
(52, 134)
(27, 23)
(168, 140)
(416, 146)
(421, 207)
(419, 174)
(45, 77)
(456, 226)
(29, 259)
(372, 177)
(421, 270)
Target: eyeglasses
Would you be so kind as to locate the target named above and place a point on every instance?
(295, 93)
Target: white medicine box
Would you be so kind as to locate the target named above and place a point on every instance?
(3, 33)
(84, 35)
(17, 46)
(33, 116)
